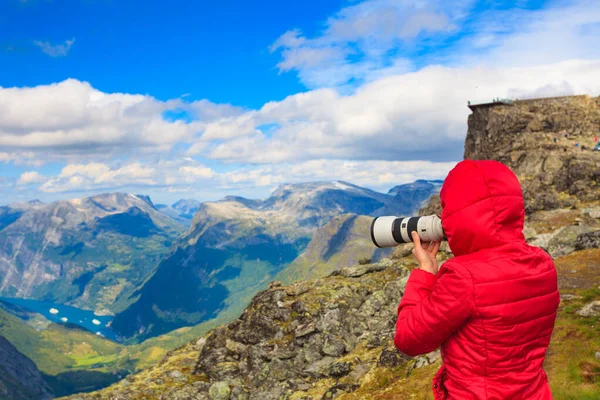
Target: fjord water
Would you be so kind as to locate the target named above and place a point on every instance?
(76, 316)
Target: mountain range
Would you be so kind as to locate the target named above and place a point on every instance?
(235, 246)
(233, 249)
(90, 252)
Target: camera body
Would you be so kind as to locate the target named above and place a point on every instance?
(389, 231)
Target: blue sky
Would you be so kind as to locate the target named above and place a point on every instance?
(214, 50)
(199, 99)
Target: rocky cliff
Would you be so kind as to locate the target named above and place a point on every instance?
(310, 340)
(522, 135)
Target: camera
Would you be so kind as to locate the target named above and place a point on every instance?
(388, 231)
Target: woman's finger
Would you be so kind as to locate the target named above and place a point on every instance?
(417, 241)
(435, 247)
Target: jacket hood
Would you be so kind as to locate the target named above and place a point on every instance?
(482, 206)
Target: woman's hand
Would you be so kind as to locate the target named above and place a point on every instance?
(425, 255)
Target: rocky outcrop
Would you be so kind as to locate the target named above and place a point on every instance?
(19, 377)
(521, 135)
(309, 340)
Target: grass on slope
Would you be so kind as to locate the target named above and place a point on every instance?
(71, 359)
(152, 350)
(573, 369)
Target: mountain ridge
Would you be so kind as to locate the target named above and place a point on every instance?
(235, 245)
(47, 246)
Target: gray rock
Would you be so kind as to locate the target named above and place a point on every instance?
(299, 288)
(329, 322)
(569, 297)
(339, 369)
(273, 394)
(200, 343)
(564, 240)
(360, 270)
(529, 232)
(219, 391)
(373, 304)
(592, 212)
(177, 375)
(540, 240)
(280, 370)
(333, 346)
(391, 357)
(597, 355)
(320, 367)
(299, 307)
(235, 347)
(403, 250)
(591, 309)
(427, 359)
(589, 240)
(238, 393)
(305, 329)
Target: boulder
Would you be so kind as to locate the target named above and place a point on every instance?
(333, 346)
(591, 309)
(589, 240)
(564, 240)
(219, 391)
(339, 369)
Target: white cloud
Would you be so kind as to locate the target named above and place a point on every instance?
(74, 120)
(21, 158)
(420, 115)
(100, 176)
(188, 176)
(91, 170)
(196, 171)
(561, 31)
(381, 175)
(30, 177)
(58, 50)
(357, 41)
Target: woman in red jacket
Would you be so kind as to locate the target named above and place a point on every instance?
(492, 307)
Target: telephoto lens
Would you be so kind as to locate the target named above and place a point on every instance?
(391, 231)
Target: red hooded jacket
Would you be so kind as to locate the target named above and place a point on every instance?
(491, 308)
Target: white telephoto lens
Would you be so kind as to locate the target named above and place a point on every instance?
(430, 229)
(381, 231)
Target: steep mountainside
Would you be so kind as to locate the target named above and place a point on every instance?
(19, 377)
(236, 245)
(553, 174)
(332, 337)
(89, 252)
(340, 243)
